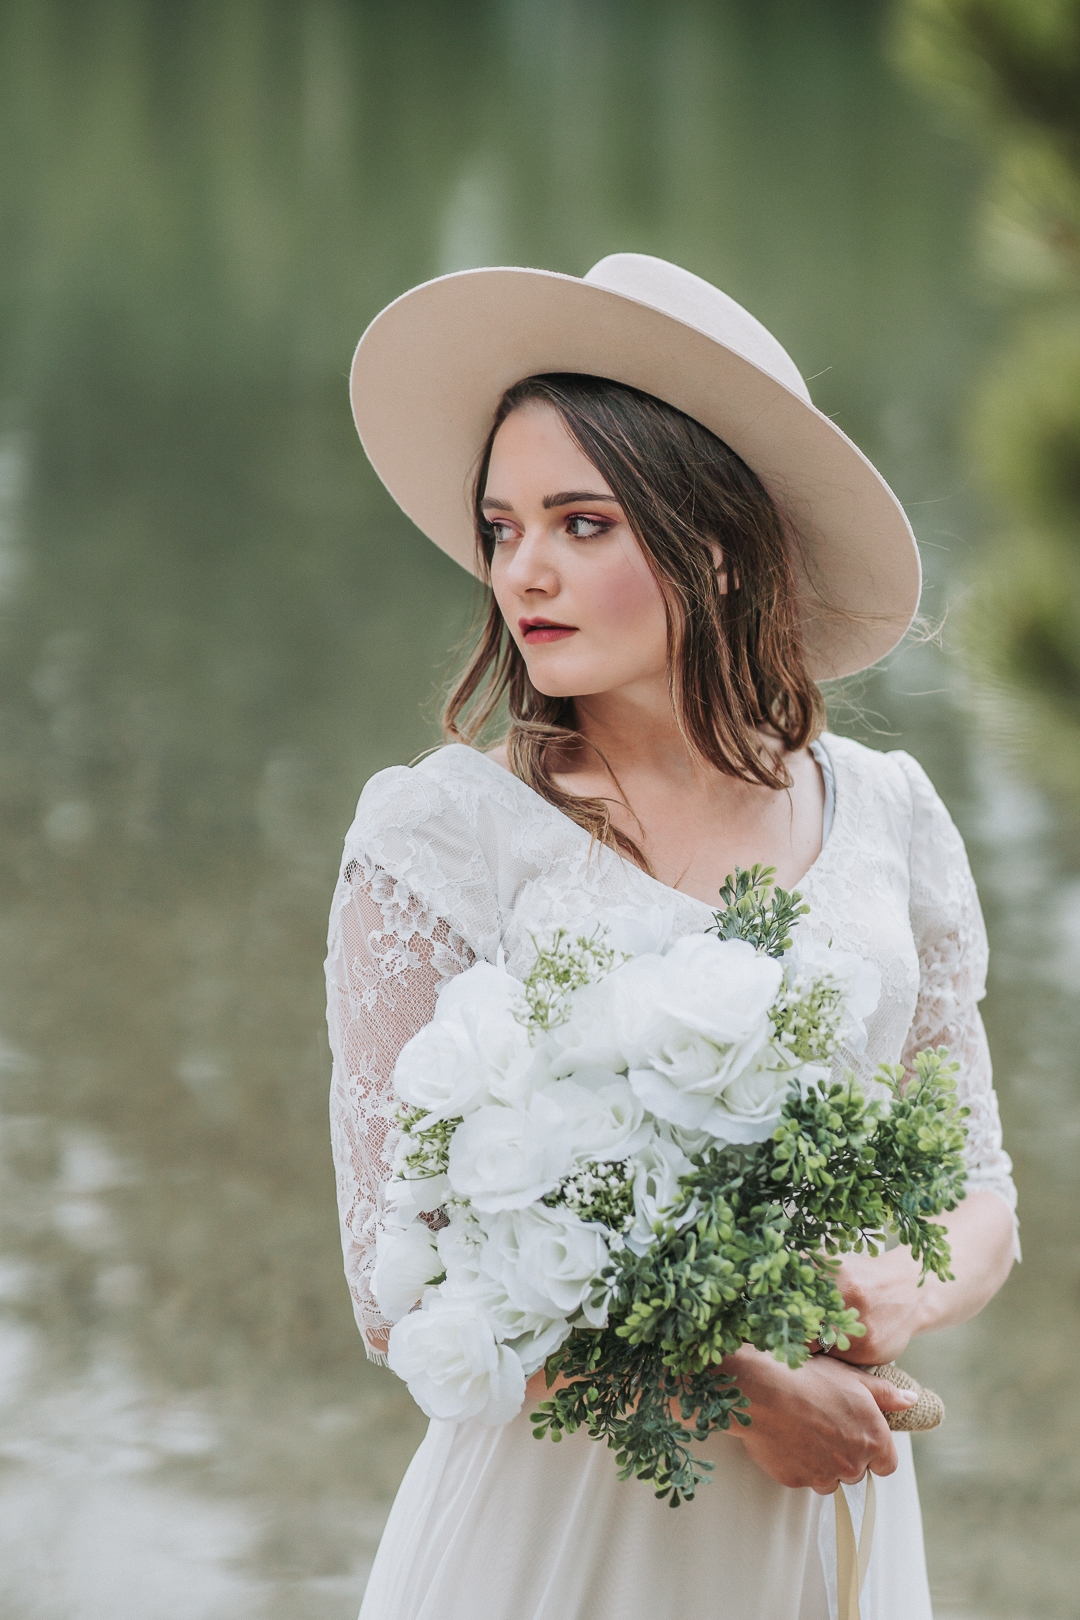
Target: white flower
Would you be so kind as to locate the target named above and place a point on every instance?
(590, 1036)
(505, 1158)
(656, 1186)
(409, 1196)
(691, 1142)
(473, 1050)
(748, 1108)
(534, 1335)
(639, 930)
(454, 1366)
(859, 981)
(548, 1261)
(600, 1116)
(406, 1261)
(694, 1023)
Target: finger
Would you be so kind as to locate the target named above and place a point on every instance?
(887, 1396)
(885, 1461)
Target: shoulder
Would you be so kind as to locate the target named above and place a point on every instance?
(870, 774)
(446, 795)
(434, 827)
(893, 774)
(895, 787)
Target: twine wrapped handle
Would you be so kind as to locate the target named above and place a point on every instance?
(929, 1409)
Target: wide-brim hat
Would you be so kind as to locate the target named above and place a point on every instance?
(430, 370)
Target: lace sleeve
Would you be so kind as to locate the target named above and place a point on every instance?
(950, 935)
(403, 921)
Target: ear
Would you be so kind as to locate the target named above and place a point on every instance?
(720, 565)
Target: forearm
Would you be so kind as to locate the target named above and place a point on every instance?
(981, 1240)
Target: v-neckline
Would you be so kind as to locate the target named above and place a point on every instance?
(679, 894)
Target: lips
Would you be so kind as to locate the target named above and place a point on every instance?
(536, 631)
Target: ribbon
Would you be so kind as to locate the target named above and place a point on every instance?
(851, 1560)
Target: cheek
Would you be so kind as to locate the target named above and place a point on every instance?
(626, 597)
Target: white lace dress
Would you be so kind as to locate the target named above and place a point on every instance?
(450, 861)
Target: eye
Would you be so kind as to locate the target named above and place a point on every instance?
(581, 527)
(501, 532)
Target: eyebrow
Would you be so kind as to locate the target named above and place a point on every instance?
(565, 497)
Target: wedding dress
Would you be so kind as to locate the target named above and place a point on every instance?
(455, 860)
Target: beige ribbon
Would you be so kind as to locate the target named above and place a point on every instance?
(851, 1561)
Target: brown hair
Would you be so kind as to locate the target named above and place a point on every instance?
(735, 659)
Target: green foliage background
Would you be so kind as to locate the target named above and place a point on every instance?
(1010, 69)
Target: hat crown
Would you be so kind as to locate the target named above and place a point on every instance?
(686, 297)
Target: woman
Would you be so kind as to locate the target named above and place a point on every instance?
(677, 544)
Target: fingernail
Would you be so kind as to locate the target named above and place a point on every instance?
(908, 1396)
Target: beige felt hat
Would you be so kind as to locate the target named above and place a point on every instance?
(430, 370)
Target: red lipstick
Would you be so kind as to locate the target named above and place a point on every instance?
(535, 631)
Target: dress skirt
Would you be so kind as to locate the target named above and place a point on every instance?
(492, 1524)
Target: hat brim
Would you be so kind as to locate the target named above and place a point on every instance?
(431, 368)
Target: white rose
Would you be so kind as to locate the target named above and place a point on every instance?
(486, 1001)
(505, 1158)
(437, 1070)
(599, 1116)
(656, 1186)
(406, 1261)
(748, 1108)
(639, 930)
(408, 1196)
(693, 1022)
(533, 1335)
(590, 1036)
(548, 1261)
(473, 1050)
(454, 1366)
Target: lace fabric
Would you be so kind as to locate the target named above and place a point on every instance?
(455, 860)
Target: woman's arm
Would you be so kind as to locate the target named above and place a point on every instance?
(896, 1306)
(949, 934)
(388, 956)
(823, 1423)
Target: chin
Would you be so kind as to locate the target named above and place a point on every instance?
(551, 686)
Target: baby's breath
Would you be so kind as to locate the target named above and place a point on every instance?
(808, 1015)
(561, 968)
(597, 1192)
(430, 1150)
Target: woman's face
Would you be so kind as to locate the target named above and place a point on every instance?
(568, 574)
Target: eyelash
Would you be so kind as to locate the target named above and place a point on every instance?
(599, 526)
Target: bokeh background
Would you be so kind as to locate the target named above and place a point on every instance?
(214, 626)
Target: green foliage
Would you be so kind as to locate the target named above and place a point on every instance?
(561, 968)
(1013, 68)
(752, 913)
(748, 1255)
(1002, 59)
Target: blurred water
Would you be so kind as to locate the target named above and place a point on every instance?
(214, 626)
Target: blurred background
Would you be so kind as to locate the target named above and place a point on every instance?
(214, 625)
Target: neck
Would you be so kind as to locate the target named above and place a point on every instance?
(635, 731)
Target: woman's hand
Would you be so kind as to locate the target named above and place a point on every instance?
(895, 1305)
(816, 1426)
(884, 1289)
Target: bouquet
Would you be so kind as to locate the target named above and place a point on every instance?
(637, 1159)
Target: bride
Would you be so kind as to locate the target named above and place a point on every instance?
(677, 545)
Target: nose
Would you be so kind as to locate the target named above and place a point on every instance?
(531, 566)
